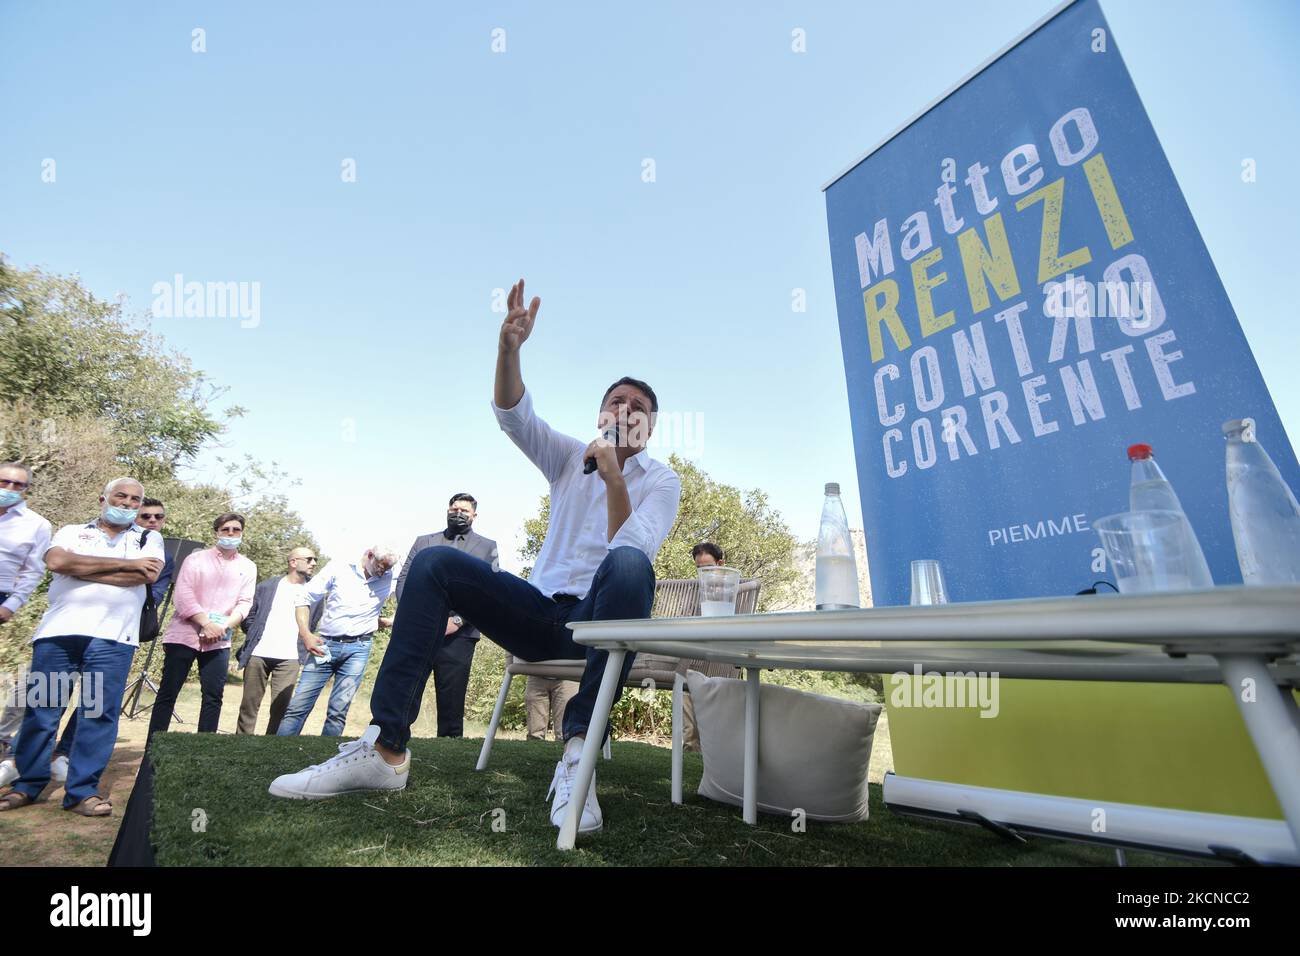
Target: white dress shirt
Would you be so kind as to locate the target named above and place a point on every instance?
(89, 608)
(576, 540)
(24, 539)
(352, 600)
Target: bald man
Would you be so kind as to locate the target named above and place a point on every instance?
(273, 652)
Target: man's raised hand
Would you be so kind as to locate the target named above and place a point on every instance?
(519, 320)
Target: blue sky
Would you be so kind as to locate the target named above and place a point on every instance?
(369, 373)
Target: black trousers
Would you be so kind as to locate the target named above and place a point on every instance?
(451, 666)
(177, 660)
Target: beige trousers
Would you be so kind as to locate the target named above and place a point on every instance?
(546, 697)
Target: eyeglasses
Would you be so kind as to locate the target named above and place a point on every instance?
(157, 517)
(308, 560)
(10, 483)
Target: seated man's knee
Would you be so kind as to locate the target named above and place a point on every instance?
(629, 561)
(432, 562)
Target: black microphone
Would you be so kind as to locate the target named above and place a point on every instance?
(610, 435)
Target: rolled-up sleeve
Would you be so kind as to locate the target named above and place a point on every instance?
(315, 589)
(652, 519)
(32, 570)
(546, 448)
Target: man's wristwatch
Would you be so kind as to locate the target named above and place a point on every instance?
(458, 620)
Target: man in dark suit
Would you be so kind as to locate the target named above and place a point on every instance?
(452, 661)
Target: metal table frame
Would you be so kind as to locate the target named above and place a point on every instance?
(1238, 636)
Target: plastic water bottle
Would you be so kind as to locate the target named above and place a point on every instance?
(837, 568)
(1150, 490)
(1265, 515)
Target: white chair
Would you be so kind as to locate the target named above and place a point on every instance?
(675, 597)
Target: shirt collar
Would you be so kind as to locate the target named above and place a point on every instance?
(17, 509)
(642, 459)
(361, 573)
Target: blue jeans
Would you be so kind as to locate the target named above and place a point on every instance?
(512, 613)
(347, 665)
(103, 667)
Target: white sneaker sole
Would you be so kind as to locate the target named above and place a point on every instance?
(277, 790)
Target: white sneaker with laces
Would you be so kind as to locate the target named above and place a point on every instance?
(8, 772)
(562, 784)
(358, 767)
(59, 770)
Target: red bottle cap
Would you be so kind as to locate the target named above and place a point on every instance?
(1139, 452)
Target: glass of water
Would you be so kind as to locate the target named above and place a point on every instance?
(718, 587)
(1148, 551)
(927, 583)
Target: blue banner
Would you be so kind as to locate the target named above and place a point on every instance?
(1022, 294)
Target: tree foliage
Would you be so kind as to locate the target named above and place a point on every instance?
(71, 355)
(91, 395)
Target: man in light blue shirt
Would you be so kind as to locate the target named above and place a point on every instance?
(354, 593)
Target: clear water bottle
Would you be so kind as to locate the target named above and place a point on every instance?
(837, 568)
(1150, 490)
(1265, 515)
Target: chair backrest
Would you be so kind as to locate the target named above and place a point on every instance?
(680, 597)
(747, 596)
(676, 597)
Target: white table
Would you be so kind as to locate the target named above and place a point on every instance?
(1224, 635)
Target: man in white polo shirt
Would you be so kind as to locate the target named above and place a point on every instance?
(91, 630)
(24, 539)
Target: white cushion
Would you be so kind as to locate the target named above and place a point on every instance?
(813, 751)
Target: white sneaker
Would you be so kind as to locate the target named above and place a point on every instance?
(562, 784)
(357, 768)
(8, 772)
(59, 770)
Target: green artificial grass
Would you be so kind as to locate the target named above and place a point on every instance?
(446, 814)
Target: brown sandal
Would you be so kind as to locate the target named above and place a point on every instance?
(14, 799)
(92, 806)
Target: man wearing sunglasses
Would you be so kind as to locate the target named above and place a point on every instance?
(274, 653)
(24, 539)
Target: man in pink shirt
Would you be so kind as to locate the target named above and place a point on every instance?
(214, 590)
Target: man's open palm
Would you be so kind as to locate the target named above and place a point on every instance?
(519, 320)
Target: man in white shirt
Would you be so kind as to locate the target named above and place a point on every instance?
(91, 630)
(24, 539)
(606, 526)
(354, 593)
(273, 653)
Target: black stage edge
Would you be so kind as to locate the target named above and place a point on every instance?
(132, 846)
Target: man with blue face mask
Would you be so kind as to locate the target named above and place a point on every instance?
(213, 593)
(24, 539)
(90, 632)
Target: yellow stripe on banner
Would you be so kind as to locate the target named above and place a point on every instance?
(1182, 746)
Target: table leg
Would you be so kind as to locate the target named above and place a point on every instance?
(751, 745)
(678, 733)
(1272, 728)
(591, 747)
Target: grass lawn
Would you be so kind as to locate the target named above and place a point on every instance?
(445, 816)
